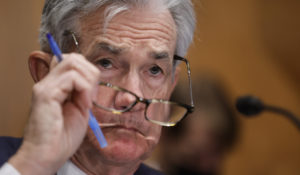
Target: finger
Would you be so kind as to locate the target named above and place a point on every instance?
(79, 63)
(54, 61)
(59, 88)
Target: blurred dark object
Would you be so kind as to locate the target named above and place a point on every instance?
(196, 145)
(251, 106)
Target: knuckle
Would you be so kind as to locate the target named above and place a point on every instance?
(87, 87)
(76, 56)
(72, 74)
(71, 64)
(36, 89)
(40, 93)
(95, 72)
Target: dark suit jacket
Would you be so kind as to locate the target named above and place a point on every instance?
(9, 146)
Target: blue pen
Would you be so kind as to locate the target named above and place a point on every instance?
(92, 120)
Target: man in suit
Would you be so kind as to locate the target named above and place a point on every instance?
(119, 63)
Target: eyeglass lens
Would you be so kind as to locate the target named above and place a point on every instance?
(115, 100)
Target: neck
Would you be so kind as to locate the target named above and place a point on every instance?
(89, 160)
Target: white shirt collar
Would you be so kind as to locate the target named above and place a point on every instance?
(70, 169)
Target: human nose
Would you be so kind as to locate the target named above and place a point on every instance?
(125, 100)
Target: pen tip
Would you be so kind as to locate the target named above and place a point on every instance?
(49, 35)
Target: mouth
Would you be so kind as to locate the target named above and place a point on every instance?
(121, 128)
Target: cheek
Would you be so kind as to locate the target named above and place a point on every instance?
(105, 97)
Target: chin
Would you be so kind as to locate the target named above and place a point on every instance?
(124, 146)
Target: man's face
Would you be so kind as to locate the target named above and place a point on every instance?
(135, 51)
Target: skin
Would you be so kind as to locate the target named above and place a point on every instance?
(141, 40)
(129, 141)
(56, 125)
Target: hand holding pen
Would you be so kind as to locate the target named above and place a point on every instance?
(57, 123)
(92, 120)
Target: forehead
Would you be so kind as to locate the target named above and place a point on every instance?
(135, 28)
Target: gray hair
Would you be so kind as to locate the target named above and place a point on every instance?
(63, 15)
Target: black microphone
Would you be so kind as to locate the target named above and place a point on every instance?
(250, 106)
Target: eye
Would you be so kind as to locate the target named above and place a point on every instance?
(155, 70)
(105, 63)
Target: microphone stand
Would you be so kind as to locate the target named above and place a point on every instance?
(285, 113)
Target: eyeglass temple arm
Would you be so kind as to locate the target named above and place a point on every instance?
(68, 32)
(176, 57)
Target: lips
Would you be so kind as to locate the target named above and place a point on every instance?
(125, 128)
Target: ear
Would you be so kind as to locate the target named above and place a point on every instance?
(39, 62)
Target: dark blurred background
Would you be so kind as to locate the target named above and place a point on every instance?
(253, 46)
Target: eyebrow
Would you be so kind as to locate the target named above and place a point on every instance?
(159, 55)
(104, 47)
(109, 48)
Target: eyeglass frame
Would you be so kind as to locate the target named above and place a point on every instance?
(147, 102)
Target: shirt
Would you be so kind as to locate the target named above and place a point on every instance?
(67, 169)
(9, 146)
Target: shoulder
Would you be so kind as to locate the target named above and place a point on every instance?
(8, 147)
(146, 170)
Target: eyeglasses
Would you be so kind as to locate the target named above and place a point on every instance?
(158, 111)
